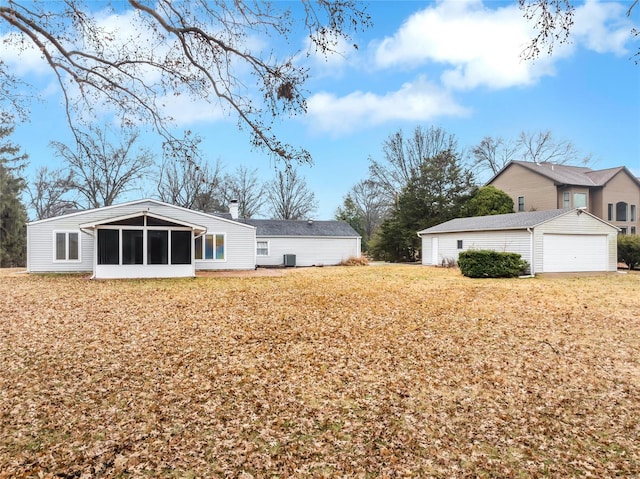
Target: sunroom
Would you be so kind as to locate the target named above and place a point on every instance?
(143, 245)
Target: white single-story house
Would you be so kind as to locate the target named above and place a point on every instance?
(551, 241)
(148, 238)
(306, 243)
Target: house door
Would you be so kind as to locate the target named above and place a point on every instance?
(434, 250)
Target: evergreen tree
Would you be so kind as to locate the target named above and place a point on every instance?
(489, 200)
(437, 193)
(13, 214)
(351, 214)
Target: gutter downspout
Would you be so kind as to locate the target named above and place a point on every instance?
(95, 250)
(533, 269)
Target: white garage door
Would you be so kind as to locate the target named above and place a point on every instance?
(569, 253)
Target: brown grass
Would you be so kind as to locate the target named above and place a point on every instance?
(397, 371)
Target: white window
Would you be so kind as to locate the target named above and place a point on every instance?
(520, 203)
(66, 245)
(262, 248)
(579, 200)
(211, 247)
(459, 244)
(566, 200)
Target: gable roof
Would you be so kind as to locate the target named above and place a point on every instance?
(93, 224)
(570, 175)
(140, 201)
(509, 221)
(331, 228)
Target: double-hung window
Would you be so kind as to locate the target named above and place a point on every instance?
(262, 248)
(520, 203)
(211, 247)
(566, 200)
(67, 245)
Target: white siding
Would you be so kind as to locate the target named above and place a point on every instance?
(512, 241)
(240, 240)
(520, 241)
(577, 224)
(309, 251)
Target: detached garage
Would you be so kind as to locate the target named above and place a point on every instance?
(552, 241)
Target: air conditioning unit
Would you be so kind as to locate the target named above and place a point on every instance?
(289, 260)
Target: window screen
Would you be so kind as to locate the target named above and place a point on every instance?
(181, 247)
(132, 247)
(108, 246)
(157, 247)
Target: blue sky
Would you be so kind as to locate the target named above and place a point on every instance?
(452, 64)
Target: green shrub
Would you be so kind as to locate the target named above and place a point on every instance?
(491, 264)
(629, 250)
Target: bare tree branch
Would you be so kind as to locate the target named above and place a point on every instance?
(101, 171)
(195, 48)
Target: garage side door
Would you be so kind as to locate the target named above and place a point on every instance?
(570, 253)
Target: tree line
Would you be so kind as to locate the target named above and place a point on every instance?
(426, 178)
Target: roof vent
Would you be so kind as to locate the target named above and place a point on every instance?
(309, 221)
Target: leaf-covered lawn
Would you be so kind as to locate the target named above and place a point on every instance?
(379, 371)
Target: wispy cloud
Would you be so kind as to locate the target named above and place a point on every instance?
(466, 44)
(417, 101)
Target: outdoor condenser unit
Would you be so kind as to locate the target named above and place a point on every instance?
(290, 260)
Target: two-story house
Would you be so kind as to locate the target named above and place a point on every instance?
(612, 194)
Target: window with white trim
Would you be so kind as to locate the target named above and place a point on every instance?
(520, 203)
(579, 200)
(66, 245)
(262, 248)
(459, 244)
(211, 247)
(566, 200)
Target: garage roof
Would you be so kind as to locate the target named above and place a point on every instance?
(508, 221)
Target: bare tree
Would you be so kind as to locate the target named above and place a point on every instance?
(492, 154)
(51, 193)
(542, 147)
(553, 19)
(198, 49)
(245, 186)
(186, 179)
(367, 197)
(289, 197)
(101, 171)
(403, 157)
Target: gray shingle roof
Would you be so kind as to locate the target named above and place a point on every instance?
(508, 221)
(301, 228)
(570, 175)
(561, 174)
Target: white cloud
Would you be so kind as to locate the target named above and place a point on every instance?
(418, 101)
(185, 110)
(602, 27)
(481, 46)
(22, 58)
